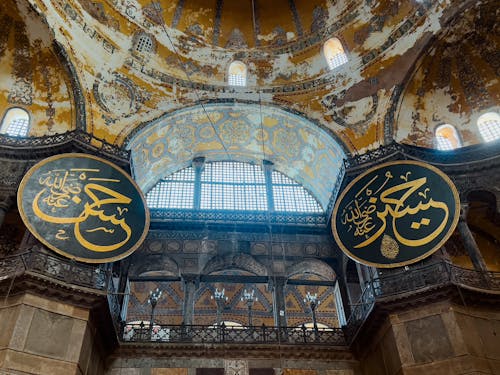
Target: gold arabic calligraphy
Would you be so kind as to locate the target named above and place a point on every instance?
(62, 189)
(370, 220)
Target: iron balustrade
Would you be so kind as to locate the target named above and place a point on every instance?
(386, 286)
(414, 280)
(199, 334)
(65, 270)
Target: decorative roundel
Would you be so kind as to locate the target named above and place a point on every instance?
(83, 207)
(395, 214)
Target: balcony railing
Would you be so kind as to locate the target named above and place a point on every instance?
(61, 269)
(415, 280)
(197, 334)
(382, 288)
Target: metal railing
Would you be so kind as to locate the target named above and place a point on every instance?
(414, 280)
(65, 270)
(386, 286)
(197, 334)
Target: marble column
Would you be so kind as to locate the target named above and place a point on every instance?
(278, 287)
(469, 241)
(190, 283)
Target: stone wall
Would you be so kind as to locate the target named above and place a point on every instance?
(440, 338)
(40, 336)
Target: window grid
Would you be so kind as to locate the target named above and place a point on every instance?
(18, 127)
(337, 60)
(290, 196)
(174, 191)
(236, 80)
(144, 44)
(443, 143)
(232, 186)
(490, 129)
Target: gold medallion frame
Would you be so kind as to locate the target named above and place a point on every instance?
(414, 260)
(39, 237)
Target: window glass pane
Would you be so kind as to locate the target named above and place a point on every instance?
(489, 126)
(174, 191)
(290, 196)
(447, 137)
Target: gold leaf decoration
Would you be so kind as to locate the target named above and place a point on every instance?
(389, 247)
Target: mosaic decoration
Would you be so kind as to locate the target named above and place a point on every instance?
(83, 207)
(22, 90)
(296, 147)
(396, 214)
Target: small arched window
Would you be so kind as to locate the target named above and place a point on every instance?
(334, 53)
(144, 44)
(16, 122)
(447, 137)
(489, 126)
(237, 74)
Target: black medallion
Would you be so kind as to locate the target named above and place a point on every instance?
(83, 207)
(395, 214)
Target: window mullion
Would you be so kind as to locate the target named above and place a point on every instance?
(198, 165)
(268, 171)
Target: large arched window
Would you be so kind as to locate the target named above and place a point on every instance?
(233, 186)
(334, 53)
(16, 122)
(489, 126)
(446, 137)
(237, 74)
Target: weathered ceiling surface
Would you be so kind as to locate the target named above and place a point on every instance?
(194, 41)
(456, 81)
(248, 132)
(31, 76)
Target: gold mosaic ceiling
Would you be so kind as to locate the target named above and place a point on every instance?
(120, 89)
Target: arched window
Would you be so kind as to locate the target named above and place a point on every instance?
(334, 53)
(447, 137)
(16, 122)
(144, 44)
(489, 126)
(234, 186)
(237, 74)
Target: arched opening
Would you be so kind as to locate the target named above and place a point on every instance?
(144, 44)
(446, 137)
(237, 74)
(489, 126)
(16, 122)
(334, 53)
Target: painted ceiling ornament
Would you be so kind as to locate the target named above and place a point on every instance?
(153, 12)
(396, 214)
(118, 97)
(320, 15)
(84, 208)
(236, 40)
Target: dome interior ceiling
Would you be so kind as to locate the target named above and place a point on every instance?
(192, 42)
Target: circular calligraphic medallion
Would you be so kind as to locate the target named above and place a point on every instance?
(395, 214)
(83, 207)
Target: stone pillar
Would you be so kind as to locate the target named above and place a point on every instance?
(190, 283)
(469, 241)
(279, 307)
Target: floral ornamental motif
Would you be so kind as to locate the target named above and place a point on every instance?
(22, 89)
(287, 142)
(181, 139)
(235, 131)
